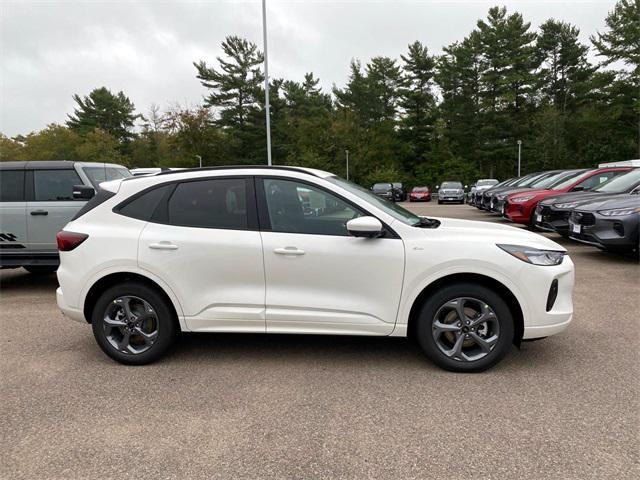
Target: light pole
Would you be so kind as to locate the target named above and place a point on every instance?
(519, 152)
(347, 154)
(266, 80)
(199, 160)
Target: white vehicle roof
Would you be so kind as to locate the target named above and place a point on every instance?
(623, 163)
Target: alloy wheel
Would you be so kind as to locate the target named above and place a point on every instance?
(465, 329)
(130, 324)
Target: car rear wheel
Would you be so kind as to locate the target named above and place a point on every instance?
(465, 327)
(133, 323)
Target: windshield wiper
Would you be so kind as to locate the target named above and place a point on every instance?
(427, 223)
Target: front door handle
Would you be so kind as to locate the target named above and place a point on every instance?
(39, 212)
(163, 246)
(289, 251)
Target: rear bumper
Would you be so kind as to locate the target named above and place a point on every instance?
(22, 258)
(72, 313)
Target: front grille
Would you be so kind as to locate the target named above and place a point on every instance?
(544, 209)
(583, 218)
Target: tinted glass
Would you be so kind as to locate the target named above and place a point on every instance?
(55, 185)
(143, 206)
(214, 203)
(104, 174)
(457, 185)
(100, 197)
(11, 185)
(393, 209)
(300, 208)
(596, 180)
(622, 183)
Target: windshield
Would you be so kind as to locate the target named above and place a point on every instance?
(534, 177)
(553, 179)
(457, 185)
(101, 174)
(568, 181)
(390, 208)
(396, 185)
(420, 189)
(484, 183)
(381, 187)
(620, 184)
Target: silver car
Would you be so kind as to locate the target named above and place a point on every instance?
(37, 199)
(451, 192)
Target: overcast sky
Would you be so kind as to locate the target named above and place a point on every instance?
(52, 49)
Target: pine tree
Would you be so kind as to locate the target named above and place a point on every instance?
(102, 109)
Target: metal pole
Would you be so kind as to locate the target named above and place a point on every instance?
(347, 153)
(199, 160)
(519, 152)
(266, 80)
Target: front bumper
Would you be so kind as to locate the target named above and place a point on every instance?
(457, 197)
(609, 233)
(68, 311)
(546, 217)
(519, 212)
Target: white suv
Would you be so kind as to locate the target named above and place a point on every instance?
(293, 250)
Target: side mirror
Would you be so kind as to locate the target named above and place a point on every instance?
(578, 188)
(83, 192)
(369, 227)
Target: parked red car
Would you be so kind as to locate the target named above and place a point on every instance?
(520, 206)
(420, 194)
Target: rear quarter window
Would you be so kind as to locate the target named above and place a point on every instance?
(142, 206)
(101, 196)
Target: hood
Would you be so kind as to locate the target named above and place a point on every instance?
(529, 191)
(623, 200)
(494, 233)
(572, 197)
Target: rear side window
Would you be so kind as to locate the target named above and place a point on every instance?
(100, 197)
(143, 206)
(55, 185)
(212, 203)
(11, 185)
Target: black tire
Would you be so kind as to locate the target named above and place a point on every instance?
(450, 292)
(439, 202)
(41, 269)
(165, 316)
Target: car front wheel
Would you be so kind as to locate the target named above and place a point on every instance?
(133, 323)
(465, 327)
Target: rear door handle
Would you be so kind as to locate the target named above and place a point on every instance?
(289, 251)
(163, 246)
(39, 212)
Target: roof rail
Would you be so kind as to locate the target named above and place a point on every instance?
(244, 167)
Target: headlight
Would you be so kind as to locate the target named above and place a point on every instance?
(534, 255)
(500, 197)
(566, 205)
(619, 212)
(522, 199)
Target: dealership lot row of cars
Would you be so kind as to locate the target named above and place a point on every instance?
(599, 206)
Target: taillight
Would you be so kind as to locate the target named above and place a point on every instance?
(69, 240)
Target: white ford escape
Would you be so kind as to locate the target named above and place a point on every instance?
(293, 250)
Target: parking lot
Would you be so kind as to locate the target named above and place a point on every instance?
(258, 406)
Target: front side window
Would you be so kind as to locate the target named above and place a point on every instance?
(55, 185)
(104, 174)
(11, 185)
(295, 207)
(211, 203)
(596, 180)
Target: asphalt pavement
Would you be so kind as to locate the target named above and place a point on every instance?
(276, 406)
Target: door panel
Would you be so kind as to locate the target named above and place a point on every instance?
(340, 285)
(13, 224)
(217, 275)
(319, 279)
(51, 207)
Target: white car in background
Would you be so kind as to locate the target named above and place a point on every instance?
(293, 250)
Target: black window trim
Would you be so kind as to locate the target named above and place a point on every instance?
(161, 213)
(263, 211)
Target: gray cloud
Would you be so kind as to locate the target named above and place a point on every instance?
(53, 49)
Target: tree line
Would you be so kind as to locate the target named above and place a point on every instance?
(420, 118)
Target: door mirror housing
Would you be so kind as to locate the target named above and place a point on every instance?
(368, 227)
(577, 188)
(83, 192)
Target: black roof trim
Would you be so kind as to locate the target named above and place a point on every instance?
(39, 164)
(233, 167)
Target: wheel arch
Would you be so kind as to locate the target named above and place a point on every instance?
(490, 282)
(111, 279)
